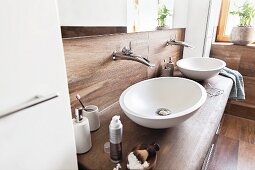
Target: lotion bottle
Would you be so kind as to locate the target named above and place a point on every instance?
(115, 137)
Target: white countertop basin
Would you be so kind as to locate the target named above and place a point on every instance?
(180, 96)
(200, 68)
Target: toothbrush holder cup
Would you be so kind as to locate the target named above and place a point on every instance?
(92, 113)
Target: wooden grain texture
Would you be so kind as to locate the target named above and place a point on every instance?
(97, 78)
(230, 127)
(249, 90)
(158, 51)
(238, 128)
(72, 31)
(227, 109)
(182, 147)
(94, 75)
(247, 62)
(225, 156)
(226, 54)
(246, 158)
(240, 58)
(237, 57)
(241, 110)
(235, 147)
(246, 108)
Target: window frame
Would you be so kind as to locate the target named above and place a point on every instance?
(221, 37)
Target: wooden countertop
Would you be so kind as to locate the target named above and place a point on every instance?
(182, 147)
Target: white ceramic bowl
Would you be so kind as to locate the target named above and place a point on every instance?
(141, 101)
(200, 68)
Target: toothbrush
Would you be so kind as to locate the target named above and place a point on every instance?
(78, 97)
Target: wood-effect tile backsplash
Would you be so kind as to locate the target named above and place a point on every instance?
(75, 31)
(98, 79)
(241, 58)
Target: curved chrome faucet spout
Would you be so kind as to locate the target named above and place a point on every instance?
(127, 54)
(175, 42)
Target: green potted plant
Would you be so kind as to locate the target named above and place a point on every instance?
(163, 12)
(244, 33)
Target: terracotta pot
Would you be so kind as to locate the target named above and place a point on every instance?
(242, 35)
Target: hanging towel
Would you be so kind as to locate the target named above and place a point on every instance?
(237, 91)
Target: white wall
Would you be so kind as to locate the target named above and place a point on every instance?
(32, 63)
(180, 13)
(93, 12)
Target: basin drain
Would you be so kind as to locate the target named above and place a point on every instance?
(163, 111)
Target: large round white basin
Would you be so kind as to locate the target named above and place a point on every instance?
(142, 101)
(200, 68)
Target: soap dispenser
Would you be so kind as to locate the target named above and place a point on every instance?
(81, 132)
(168, 69)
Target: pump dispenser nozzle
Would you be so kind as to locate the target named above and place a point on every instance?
(115, 122)
(78, 114)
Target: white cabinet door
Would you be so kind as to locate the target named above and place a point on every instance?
(32, 63)
(35, 139)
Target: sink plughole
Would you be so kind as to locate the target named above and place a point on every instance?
(141, 101)
(200, 68)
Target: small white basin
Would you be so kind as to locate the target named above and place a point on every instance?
(141, 101)
(200, 68)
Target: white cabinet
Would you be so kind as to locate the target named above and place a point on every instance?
(32, 63)
(93, 12)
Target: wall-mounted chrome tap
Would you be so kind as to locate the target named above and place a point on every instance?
(176, 42)
(127, 54)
